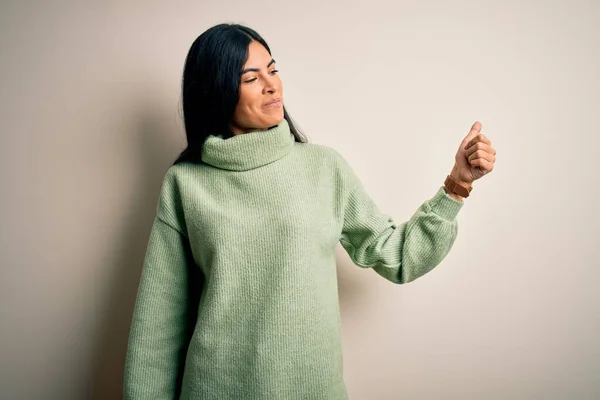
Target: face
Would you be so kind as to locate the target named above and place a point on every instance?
(261, 94)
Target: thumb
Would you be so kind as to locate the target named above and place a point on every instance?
(475, 130)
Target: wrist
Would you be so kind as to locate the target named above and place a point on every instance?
(455, 187)
(456, 176)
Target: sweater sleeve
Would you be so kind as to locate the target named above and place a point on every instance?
(164, 313)
(399, 252)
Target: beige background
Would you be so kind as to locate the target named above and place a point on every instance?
(89, 123)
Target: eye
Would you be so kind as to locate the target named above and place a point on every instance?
(272, 72)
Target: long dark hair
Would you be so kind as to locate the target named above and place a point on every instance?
(210, 86)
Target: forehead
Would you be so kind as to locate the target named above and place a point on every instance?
(257, 55)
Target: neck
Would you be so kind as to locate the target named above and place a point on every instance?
(238, 130)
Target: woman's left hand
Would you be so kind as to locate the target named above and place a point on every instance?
(475, 157)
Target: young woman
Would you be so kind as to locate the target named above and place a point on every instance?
(238, 296)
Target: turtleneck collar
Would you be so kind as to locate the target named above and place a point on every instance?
(249, 150)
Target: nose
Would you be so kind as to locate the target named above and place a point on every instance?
(271, 85)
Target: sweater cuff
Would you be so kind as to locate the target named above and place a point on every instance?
(444, 205)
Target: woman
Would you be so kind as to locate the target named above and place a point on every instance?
(238, 295)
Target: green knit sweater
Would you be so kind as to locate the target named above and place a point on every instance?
(238, 297)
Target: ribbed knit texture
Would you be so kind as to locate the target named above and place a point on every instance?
(238, 297)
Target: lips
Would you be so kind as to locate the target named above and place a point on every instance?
(273, 103)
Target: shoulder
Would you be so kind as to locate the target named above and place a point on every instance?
(172, 182)
(334, 161)
(324, 153)
(170, 206)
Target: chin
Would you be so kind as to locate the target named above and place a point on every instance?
(279, 118)
(267, 122)
(272, 122)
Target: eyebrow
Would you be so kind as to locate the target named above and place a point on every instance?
(256, 69)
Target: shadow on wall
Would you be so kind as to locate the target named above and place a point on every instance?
(158, 147)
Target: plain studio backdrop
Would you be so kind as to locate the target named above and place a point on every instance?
(90, 122)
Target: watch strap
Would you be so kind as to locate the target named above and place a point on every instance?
(453, 186)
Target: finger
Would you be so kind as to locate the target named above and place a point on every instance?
(479, 146)
(475, 130)
(480, 138)
(482, 154)
(485, 165)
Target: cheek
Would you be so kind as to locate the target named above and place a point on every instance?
(248, 104)
(241, 110)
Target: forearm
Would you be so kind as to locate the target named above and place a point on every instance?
(428, 237)
(399, 252)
